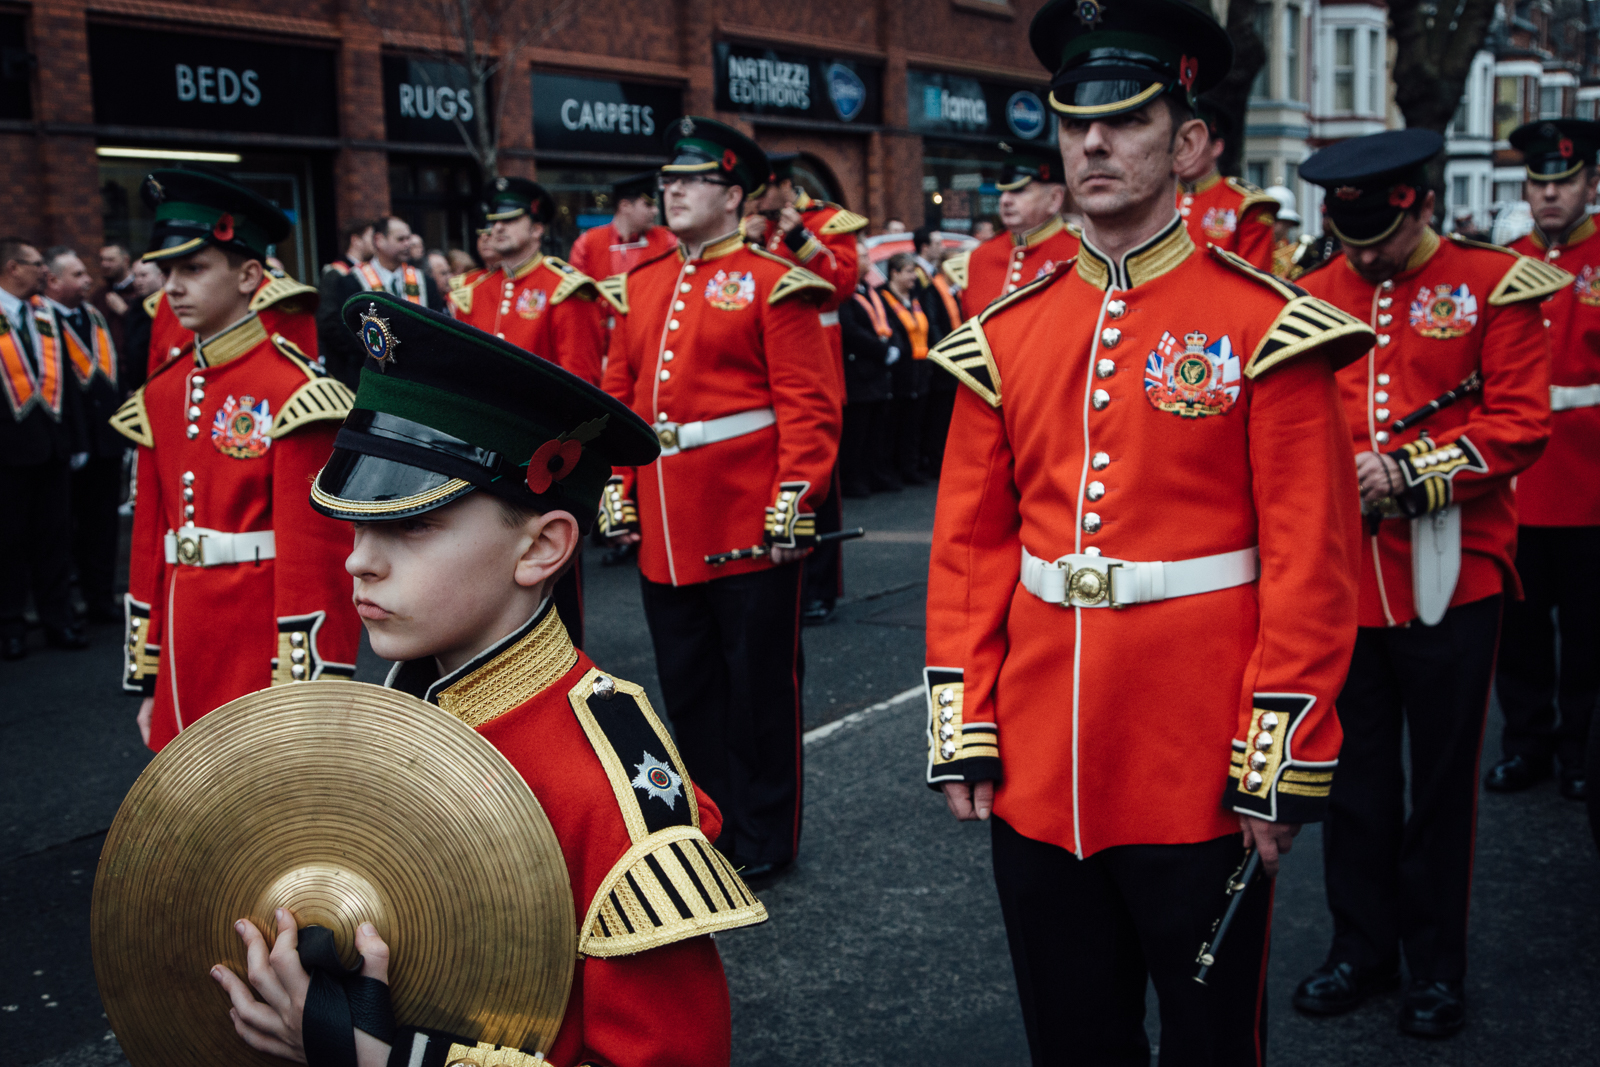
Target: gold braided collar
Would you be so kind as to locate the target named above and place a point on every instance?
(511, 677)
(1143, 263)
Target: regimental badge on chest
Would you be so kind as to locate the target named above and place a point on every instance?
(1443, 312)
(1049, 265)
(532, 302)
(731, 290)
(1219, 222)
(1586, 287)
(1192, 379)
(242, 428)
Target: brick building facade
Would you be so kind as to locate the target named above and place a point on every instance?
(345, 108)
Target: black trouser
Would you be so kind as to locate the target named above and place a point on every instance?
(1397, 880)
(35, 544)
(96, 489)
(728, 655)
(908, 435)
(1085, 935)
(824, 568)
(936, 423)
(1560, 569)
(856, 466)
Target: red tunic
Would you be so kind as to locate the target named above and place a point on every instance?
(825, 244)
(1231, 214)
(732, 331)
(1457, 307)
(546, 306)
(602, 251)
(1562, 487)
(286, 307)
(1005, 263)
(1179, 406)
(230, 437)
(656, 997)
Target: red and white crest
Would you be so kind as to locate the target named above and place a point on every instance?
(242, 428)
(532, 302)
(731, 290)
(1586, 287)
(1219, 223)
(1442, 311)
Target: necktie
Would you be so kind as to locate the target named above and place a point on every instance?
(396, 283)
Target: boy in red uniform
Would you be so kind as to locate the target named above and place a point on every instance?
(1032, 194)
(719, 344)
(1459, 322)
(472, 471)
(1558, 497)
(235, 582)
(1141, 595)
(1226, 212)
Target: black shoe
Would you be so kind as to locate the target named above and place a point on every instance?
(1335, 988)
(13, 647)
(68, 636)
(1433, 1009)
(617, 555)
(760, 875)
(1516, 773)
(815, 612)
(1575, 787)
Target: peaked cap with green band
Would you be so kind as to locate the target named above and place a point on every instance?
(195, 208)
(444, 408)
(706, 146)
(1028, 162)
(1556, 149)
(1109, 57)
(511, 198)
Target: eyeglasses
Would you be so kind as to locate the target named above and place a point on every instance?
(667, 181)
(36, 263)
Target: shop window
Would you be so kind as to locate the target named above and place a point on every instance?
(1550, 102)
(959, 184)
(1344, 70)
(16, 93)
(1507, 106)
(1256, 174)
(1460, 192)
(1375, 66)
(1261, 88)
(438, 198)
(583, 201)
(1291, 53)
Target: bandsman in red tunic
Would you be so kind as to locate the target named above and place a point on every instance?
(1142, 593)
(1448, 406)
(1231, 214)
(631, 237)
(1558, 497)
(1036, 241)
(235, 583)
(718, 345)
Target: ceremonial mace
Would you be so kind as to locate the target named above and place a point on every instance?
(757, 551)
(1238, 882)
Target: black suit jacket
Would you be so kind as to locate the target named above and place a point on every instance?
(42, 436)
(100, 400)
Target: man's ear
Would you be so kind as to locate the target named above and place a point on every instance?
(553, 543)
(1189, 146)
(250, 275)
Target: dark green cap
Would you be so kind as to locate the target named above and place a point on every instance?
(444, 408)
(511, 198)
(1027, 162)
(705, 146)
(195, 208)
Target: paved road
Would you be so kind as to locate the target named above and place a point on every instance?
(885, 946)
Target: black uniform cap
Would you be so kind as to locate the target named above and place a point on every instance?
(444, 408)
(1108, 57)
(1556, 149)
(511, 198)
(196, 207)
(782, 164)
(705, 146)
(635, 185)
(1027, 162)
(1372, 181)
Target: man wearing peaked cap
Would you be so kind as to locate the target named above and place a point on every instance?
(1032, 195)
(470, 469)
(1147, 453)
(719, 344)
(1457, 322)
(1558, 497)
(633, 235)
(225, 547)
(1226, 212)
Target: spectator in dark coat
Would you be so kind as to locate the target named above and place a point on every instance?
(909, 323)
(865, 443)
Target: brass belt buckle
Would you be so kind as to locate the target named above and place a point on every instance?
(1088, 587)
(190, 551)
(667, 434)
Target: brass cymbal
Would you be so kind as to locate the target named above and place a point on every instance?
(346, 803)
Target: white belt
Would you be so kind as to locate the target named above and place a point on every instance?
(678, 437)
(1567, 397)
(829, 318)
(194, 546)
(1080, 581)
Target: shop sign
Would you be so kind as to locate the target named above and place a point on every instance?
(162, 79)
(762, 81)
(16, 98)
(602, 115)
(953, 103)
(423, 99)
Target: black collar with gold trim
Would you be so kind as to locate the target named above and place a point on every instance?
(1577, 235)
(1039, 234)
(1143, 263)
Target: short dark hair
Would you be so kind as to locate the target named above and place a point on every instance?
(55, 252)
(900, 261)
(11, 249)
(386, 223)
(920, 236)
(1179, 111)
(353, 229)
(119, 246)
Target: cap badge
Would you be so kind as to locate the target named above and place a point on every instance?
(558, 457)
(1564, 146)
(157, 191)
(223, 230)
(1402, 197)
(501, 183)
(1188, 71)
(1347, 192)
(1089, 13)
(377, 337)
(686, 126)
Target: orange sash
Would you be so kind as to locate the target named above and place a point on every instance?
(916, 323)
(880, 318)
(103, 358)
(951, 308)
(411, 281)
(23, 388)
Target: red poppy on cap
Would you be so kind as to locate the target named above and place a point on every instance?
(1402, 196)
(1044, 171)
(1188, 71)
(729, 160)
(223, 230)
(554, 460)
(1564, 146)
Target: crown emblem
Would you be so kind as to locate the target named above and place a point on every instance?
(378, 338)
(686, 126)
(1194, 342)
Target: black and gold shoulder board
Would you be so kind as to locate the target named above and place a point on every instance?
(797, 280)
(285, 290)
(647, 776)
(1528, 279)
(573, 281)
(845, 221)
(955, 268)
(615, 290)
(1308, 323)
(132, 422)
(153, 302)
(1287, 290)
(965, 353)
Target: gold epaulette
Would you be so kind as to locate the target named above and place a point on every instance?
(1253, 197)
(153, 302)
(284, 288)
(317, 400)
(1305, 323)
(572, 281)
(615, 290)
(955, 268)
(965, 353)
(132, 421)
(1528, 279)
(844, 221)
(671, 886)
(794, 280)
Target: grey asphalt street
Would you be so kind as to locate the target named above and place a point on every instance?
(885, 945)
